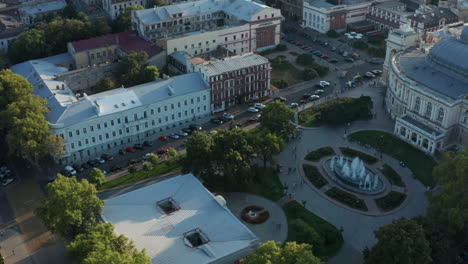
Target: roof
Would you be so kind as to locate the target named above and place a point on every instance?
(43, 7)
(432, 15)
(66, 109)
(136, 215)
(233, 63)
(127, 41)
(320, 4)
(242, 9)
(10, 27)
(421, 126)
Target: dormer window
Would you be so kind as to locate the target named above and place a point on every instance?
(168, 205)
(195, 238)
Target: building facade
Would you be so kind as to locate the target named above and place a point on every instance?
(114, 8)
(292, 8)
(322, 16)
(106, 122)
(28, 14)
(199, 27)
(10, 28)
(387, 15)
(427, 90)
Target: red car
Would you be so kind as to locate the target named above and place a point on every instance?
(324, 57)
(162, 151)
(130, 149)
(164, 138)
(305, 47)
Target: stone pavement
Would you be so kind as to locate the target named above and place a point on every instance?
(358, 228)
(275, 228)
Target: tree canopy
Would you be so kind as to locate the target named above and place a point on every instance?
(291, 253)
(105, 84)
(401, 242)
(277, 117)
(71, 207)
(124, 20)
(12, 87)
(97, 177)
(438, 238)
(133, 69)
(450, 205)
(266, 145)
(101, 245)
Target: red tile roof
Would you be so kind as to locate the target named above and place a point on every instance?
(127, 41)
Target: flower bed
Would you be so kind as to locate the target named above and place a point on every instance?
(261, 217)
(392, 176)
(355, 153)
(390, 201)
(347, 198)
(317, 154)
(314, 176)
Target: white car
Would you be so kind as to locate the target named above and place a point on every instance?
(6, 182)
(4, 173)
(258, 117)
(324, 83)
(228, 116)
(174, 136)
(259, 106)
(370, 74)
(182, 133)
(253, 109)
(293, 105)
(314, 97)
(319, 91)
(70, 170)
(146, 155)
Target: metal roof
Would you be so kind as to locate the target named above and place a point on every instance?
(43, 7)
(137, 215)
(233, 63)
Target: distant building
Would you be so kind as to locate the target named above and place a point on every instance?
(292, 9)
(115, 7)
(199, 27)
(429, 18)
(178, 221)
(28, 14)
(323, 16)
(106, 122)
(108, 48)
(427, 92)
(387, 15)
(10, 28)
(233, 80)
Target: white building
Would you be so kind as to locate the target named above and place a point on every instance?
(29, 13)
(199, 27)
(10, 29)
(115, 7)
(178, 221)
(112, 120)
(427, 90)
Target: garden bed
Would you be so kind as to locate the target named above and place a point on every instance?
(417, 161)
(392, 176)
(333, 240)
(355, 153)
(262, 216)
(347, 198)
(390, 201)
(317, 154)
(314, 176)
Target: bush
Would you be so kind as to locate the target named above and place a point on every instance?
(390, 201)
(355, 153)
(305, 59)
(280, 84)
(332, 238)
(317, 154)
(332, 33)
(392, 176)
(376, 52)
(306, 234)
(376, 40)
(314, 176)
(347, 198)
(153, 158)
(147, 165)
(360, 45)
(309, 74)
(321, 70)
(132, 168)
(281, 47)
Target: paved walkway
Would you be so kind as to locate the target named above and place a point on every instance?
(358, 228)
(275, 228)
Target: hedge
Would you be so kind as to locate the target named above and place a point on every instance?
(317, 154)
(392, 176)
(355, 153)
(347, 198)
(390, 201)
(314, 176)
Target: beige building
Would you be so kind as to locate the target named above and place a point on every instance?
(427, 90)
(115, 7)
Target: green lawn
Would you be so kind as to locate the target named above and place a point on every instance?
(164, 167)
(390, 201)
(317, 154)
(417, 161)
(392, 176)
(292, 75)
(331, 235)
(314, 176)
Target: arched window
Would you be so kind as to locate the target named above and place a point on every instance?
(428, 109)
(440, 115)
(417, 104)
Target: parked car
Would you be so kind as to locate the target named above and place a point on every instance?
(93, 163)
(324, 83)
(332, 60)
(306, 96)
(138, 146)
(130, 149)
(319, 91)
(147, 143)
(333, 48)
(251, 120)
(280, 98)
(402, 164)
(174, 136)
(146, 155)
(70, 170)
(133, 161)
(115, 168)
(324, 57)
(85, 166)
(345, 54)
(182, 133)
(5, 172)
(301, 102)
(377, 72)
(216, 121)
(293, 105)
(253, 109)
(162, 151)
(78, 167)
(314, 97)
(369, 75)
(99, 160)
(228, 116)
(7, 181)
(212, 132)
(187, 130)
(258, 117)
(163, 138)
(107, 157)
(121, 152)
(318, 53)
(195, 127)
(259, 106)
(350, 60)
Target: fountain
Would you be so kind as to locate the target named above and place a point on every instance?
(353, 175)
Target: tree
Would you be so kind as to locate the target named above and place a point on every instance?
(149, 73)
(102, 245)
(332, 34)
(266, 145)
(153, 159)
(3, 60)
(360, 45)
(12, 87)
(438, 238)
(291, 253)
(132, 168)
(101, 27)
(281, 47)
(97, 177)
(321, 70)
(199, 155)
(277, 117)
(172, 152)
(403, 242)
(147, 165)
(449, 206)
(305, 233)
(131, 68)
(71, 207)
(309, 74)
(105, 84)
(153, 3)
(305, 59)
(280, 84)
(124, 21)
(30, 45)
(70, 11)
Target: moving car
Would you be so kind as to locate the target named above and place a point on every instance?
(293, 105)
(280, 98)
(324, 83)
(130, 149)
(163, 138)
(253, 110)
(182, 133)
(369, 75)
(228, 116)
(259, 106)
(319, 91)
(314, 97)
(174, 136)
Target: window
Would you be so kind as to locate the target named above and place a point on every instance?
(105, 124)
(159, 110)
(112, 122)
(93, 139)
(70, 134)
(417, 104)
(118, 120)
(100, 137)
(84, 130)
(191, 101)
(72, 145)
(91, 128)
(195, 238)
(152, 111)
(172, 106)
(440, 115)
(165, 108)
(168, 205)
(107, 135)
(428, 110)
(135, 117)
(113, 133)
(98, 126)
(126, 119)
